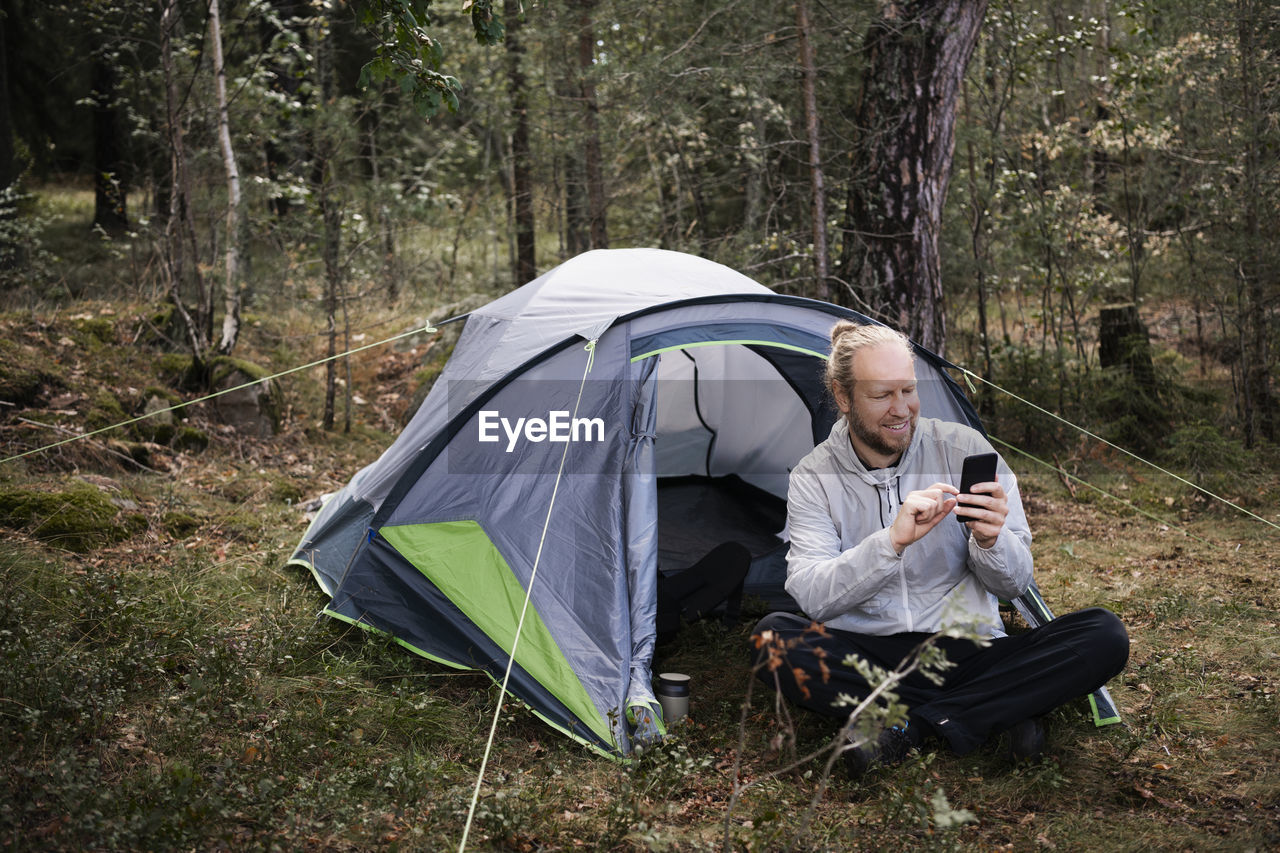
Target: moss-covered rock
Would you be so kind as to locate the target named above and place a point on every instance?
(253, 403)
(79, 518)
(188, 439)
(178, 370)
(168, 397)
(285, 491)
(160, 423)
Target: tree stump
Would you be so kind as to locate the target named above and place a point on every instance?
(1123, 341)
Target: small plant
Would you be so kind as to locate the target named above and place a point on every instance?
(867, 717)
(24, 261)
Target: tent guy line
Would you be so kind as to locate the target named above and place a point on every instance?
(417, 330)
(524, 610)
(969, 374)
(1130, 504)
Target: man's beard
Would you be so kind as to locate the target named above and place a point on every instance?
(871, 436)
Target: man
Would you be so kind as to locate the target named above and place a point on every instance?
(884, 555)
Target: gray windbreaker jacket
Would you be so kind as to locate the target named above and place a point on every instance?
(842, 569)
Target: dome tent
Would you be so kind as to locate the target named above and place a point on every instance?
(614, 387)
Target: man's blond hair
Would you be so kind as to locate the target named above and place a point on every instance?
(847, 340)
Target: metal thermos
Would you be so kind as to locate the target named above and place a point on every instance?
(673, 696)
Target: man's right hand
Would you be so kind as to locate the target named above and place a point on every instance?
(921, 511)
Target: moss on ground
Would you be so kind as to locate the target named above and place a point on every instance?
(188, 439)
(23, 374)
(100, 329)
(285, 490)
(79, 518)
(104, 410)
(179, 524)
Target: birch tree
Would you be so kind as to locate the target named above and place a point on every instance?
(234, 239)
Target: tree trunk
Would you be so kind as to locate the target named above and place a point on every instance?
(592, 159)
(179, 226)
(917, 52)
(331, 214)
(231, 287)
(526, 268)
(283, 152)
(386, 231)
(9, 253)
(110, 190)
(1123, 341)
(978, 246)
(1260, 415)
(817, 185)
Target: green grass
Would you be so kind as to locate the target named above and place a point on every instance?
(172, 697)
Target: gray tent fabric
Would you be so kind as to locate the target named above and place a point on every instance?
(630, 368)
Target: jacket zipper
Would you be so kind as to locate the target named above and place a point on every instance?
(902, 568)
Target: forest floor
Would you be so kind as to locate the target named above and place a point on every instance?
(165, 682)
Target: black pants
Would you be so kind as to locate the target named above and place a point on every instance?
(987, 691)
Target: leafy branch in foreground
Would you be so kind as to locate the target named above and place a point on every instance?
(879, 709)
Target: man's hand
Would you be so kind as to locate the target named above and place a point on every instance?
(986, 517)
(921, 511)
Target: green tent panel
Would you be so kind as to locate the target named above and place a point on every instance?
(460, 559)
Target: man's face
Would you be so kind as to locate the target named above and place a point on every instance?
(882, 406)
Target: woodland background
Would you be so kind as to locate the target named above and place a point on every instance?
(1104, 152)
(1077, 201)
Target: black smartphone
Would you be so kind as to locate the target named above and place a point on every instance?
(979, 468)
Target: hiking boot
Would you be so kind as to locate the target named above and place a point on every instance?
(1026, 742)
(890, 749)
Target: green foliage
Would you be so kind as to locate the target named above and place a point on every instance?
(409, 56)
(24, 260)
(1134, 412)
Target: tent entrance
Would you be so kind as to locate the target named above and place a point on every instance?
(697, 513)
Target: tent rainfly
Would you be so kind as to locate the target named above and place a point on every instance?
(614, 418)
